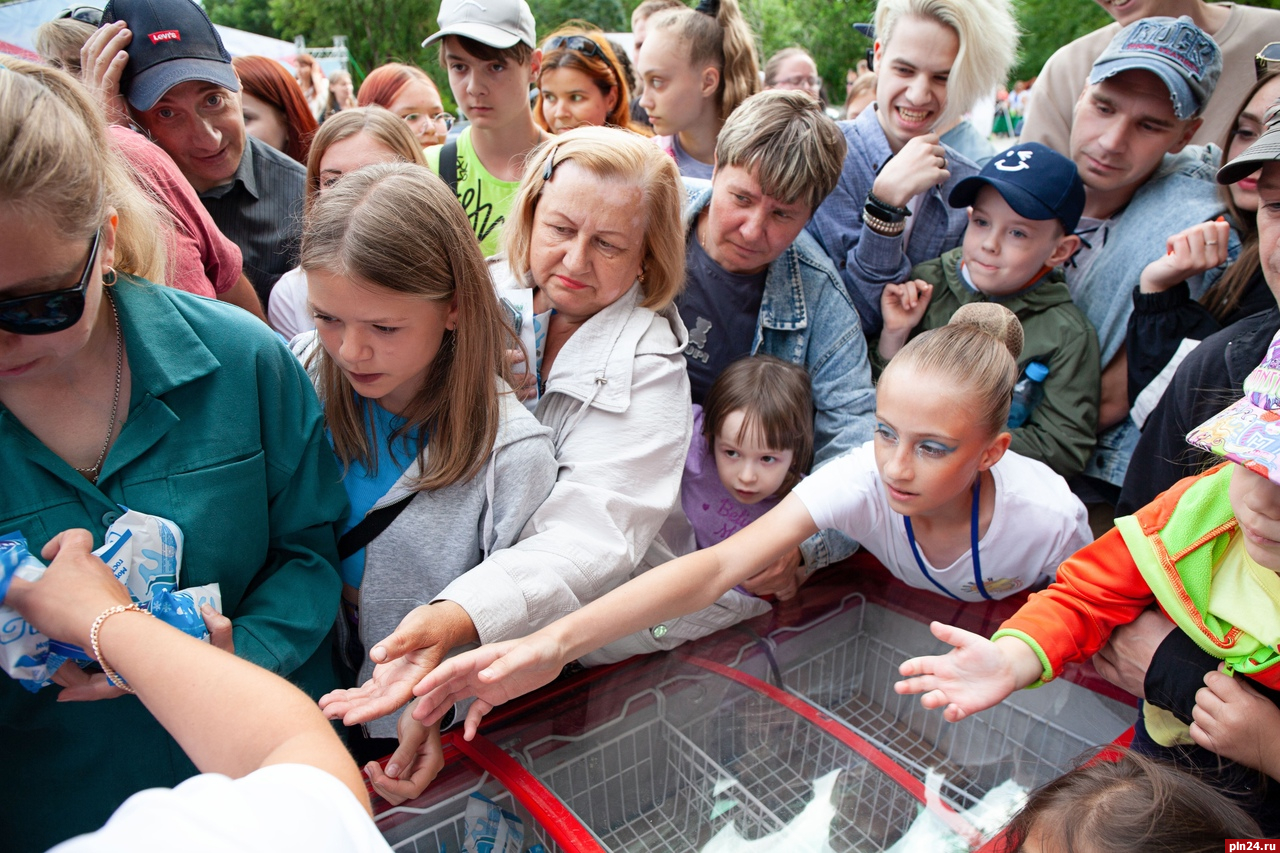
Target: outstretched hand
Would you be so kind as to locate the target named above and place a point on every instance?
(494, 673)
(417, 646)
(975, 675)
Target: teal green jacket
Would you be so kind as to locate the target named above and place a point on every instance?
(224, 436)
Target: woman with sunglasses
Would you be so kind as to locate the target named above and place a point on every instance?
(115, 392)
(582, 83)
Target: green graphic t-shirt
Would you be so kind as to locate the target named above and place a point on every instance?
(485, 199)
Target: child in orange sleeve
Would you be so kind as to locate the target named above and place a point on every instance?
(1208, 553)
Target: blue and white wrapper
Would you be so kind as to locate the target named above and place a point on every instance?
(143, 551)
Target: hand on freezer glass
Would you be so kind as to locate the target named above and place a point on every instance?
(494, 673)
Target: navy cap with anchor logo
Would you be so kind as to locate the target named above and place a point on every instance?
(1036, 181)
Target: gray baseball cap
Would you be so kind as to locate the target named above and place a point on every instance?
(497, 23)
(1181, 54)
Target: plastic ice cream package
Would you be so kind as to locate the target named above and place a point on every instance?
(181, 608)
(24, 651)
(144, 552)
(491, 829)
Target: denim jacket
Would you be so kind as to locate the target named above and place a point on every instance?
(808, 318)
(868, 261)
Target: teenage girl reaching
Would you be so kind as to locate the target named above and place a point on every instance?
(442, 465)
(933, 483)
(697, 67)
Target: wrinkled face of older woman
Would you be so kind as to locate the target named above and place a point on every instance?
(587, 245)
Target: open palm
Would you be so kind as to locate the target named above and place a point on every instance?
(973, 676)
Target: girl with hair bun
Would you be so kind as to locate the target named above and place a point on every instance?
(935, 496)
(697, 67)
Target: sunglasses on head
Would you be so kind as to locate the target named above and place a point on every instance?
(581, 44)
(91, 15)
(53, 311)
(1268, 59)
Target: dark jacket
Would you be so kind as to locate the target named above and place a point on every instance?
(1209, 379)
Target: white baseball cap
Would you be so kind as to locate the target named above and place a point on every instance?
(497, 23)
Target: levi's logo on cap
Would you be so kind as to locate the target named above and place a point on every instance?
(165, 35)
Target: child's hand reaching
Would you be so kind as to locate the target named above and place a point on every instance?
(1233, 720)
(418, 759)
(1191, 252)
(972, 677)
(902, 306)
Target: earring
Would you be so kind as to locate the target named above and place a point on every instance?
(110, 278)
(640, 278)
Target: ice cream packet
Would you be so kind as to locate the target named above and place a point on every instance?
(144, 552)
(24, 651)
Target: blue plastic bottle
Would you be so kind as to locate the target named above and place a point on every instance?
(1027, 394)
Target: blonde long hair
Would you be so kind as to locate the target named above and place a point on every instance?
(398, 226)
(720, 37)
(56, 162)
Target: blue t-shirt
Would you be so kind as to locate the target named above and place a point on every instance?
(364, 488)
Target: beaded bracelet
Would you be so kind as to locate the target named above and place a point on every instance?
(884, 229)
(113, 677)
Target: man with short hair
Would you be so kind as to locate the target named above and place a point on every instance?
(757, 282)
(1240, 31)
(176, 83)
(1143, 183)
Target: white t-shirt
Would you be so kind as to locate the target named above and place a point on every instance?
(1036, 525)
(287, 309)
(280, 807)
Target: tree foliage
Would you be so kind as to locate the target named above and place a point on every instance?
(377, 31)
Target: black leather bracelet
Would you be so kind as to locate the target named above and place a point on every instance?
(884, 211)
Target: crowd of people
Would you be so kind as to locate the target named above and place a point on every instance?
(605, 362)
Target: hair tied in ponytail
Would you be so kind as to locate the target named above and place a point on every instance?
(708, 7)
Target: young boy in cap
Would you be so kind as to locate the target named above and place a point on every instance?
(490, 52)
(1023, 209)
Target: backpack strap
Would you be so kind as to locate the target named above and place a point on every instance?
(449, 165)
(371, 526)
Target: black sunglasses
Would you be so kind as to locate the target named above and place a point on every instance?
(1268, 59)
(45, 313)
(91, 15)
(581, 44)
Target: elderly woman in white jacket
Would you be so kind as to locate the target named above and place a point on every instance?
(596, 233)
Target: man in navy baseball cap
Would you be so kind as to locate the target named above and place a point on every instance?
(161, 65)
(177, 43)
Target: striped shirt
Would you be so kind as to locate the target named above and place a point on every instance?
(260, 210)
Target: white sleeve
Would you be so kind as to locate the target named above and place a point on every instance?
(279, 807)
(844, 494)
(287, 310)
